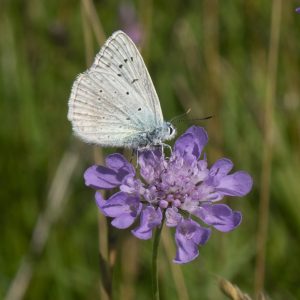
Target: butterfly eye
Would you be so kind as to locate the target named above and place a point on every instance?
(171, 130)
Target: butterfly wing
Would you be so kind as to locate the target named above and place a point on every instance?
(114, 102)
(121, 56)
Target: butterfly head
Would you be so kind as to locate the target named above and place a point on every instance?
(169, 131)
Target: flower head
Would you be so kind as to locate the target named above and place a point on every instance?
(182, 187)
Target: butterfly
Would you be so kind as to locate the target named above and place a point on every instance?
(114, 103)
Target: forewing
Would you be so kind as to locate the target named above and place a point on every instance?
(120, 56)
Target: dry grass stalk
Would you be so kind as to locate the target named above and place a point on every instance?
(232, 291)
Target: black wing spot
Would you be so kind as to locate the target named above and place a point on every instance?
(128, 118)
(127, 93)
(125, 60)
(139, 109)
(100, 91)
(131, 58)
(134, 80)
(119, 75)
(120, 66)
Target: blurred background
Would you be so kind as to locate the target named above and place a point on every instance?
(236, 60)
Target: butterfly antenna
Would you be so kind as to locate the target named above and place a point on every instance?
(197, 119)
(182, 115)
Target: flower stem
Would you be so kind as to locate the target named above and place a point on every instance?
(155, 289)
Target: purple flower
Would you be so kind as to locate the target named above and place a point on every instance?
(297, 10)
(182, 189)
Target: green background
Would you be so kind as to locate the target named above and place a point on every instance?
(218, 58)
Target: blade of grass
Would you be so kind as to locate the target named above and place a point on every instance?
(213, 65)
(56, 199)
(90, 20)
(268, 144)
(176, 270)
(94, 20)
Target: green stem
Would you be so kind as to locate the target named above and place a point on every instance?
(155, 289)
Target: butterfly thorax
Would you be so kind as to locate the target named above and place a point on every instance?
(156, 136)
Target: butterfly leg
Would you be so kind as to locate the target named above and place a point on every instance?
(137, 158)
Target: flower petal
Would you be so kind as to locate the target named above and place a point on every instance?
(185, 143)
(123, 221)
(221, 168)
(120, 203)
(150, 163)
(200, 137)
(219, 216)
(237, 184)
(131, 185)
(150, 218)
(99, 177)
(190, 144)
(206, 192)
(122, 207)
(172, 217)
(119, 164)
(189, 235)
